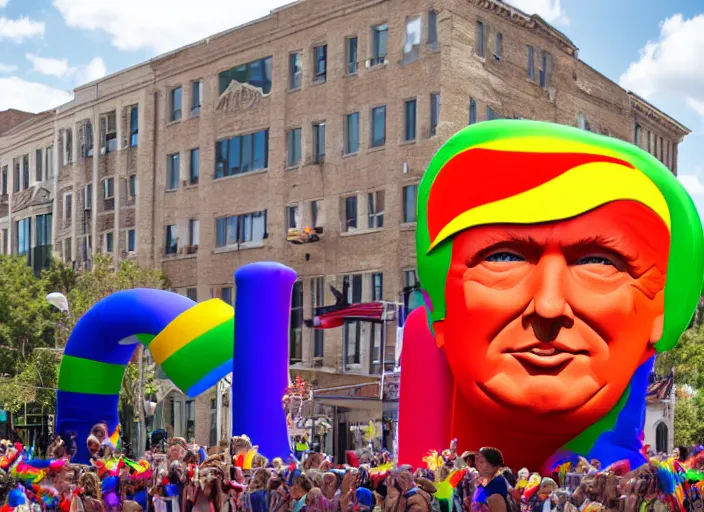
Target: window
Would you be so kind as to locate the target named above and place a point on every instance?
(68, 144)
(192, 293)
(352, 133)
(132, 185)
(375, 209)
(131, 240)
(256, 73)
(296, 335)
(434, 113)
(354, 290)
(226, 295)
(350, 214)
(491, 114)
(638, 135)
(108, 188)
(23, 236)
(68, 253)
(175, 104)
(662, 444)
(242, 154)
(378, 127)
(196, 96)
(410, 193)
(38, 160)
(410, 278)
(194, 171)
(171, 245)
(318, 142)
(409, 109)
(3, 179)
(292, 218)
(68, 206)
(134, 126)
(317, 293)
(294, 71)
(108, 133)
(172, 171)
(380, 34)
(314, 213)
(88, 196)
(432, 27)
(499, 50)
(480, 40)
(43, 223)
(378, 286)
(16, 176)
(413, 38)
(49, 155)
(108, 243)
(240, 229)
(472, 111)
(86, 139)
(193, 232)
(293, 147)
(321, 63)
(546, 69)
(351, 55)
(531, 63)
(582, 123)
(352, 330)
(25, 172)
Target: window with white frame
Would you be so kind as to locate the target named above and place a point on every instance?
(108, 132)
(132, 185)
(68, 250)
(316, 214)
(293, 217)
(320, 55)
(378, 131)
(196, 97)
(410, 278)
(171, 243)
(351, 133)
(293, 146)
(68, 146)
(68, 206)
(318, 142)
(175, 104)
(108, 188)
(245, 228)
(375, 209)
(413, 38)
(351, 54)
(377, 286)
(49, 156)
(480, 40)
(380, 35)
(193, 232)
(295, 71)
(88, 197)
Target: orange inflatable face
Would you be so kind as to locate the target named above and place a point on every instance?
(555, 317)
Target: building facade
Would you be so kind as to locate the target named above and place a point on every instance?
(323, 114)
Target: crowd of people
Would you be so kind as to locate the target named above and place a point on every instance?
(234, 477)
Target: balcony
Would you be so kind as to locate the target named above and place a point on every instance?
(40, 258)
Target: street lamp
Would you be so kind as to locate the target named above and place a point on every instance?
(60, 302)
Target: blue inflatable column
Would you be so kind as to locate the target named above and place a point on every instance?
(260, 362)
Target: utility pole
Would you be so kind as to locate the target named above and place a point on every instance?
(141, 434)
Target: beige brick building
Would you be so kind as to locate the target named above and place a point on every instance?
(323, 114)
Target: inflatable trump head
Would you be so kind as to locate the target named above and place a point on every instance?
(557, 263)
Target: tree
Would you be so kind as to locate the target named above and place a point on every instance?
(28, 323)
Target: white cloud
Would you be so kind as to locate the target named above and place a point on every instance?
(692, 184)
(162, 25)
(92, 71)
(3, 3)
(7, 68)
(671, 66)
(550, 10)
(48, 66)
(60, 68)
(30, 96)
(20, 29)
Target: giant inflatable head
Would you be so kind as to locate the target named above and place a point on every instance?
(557, 263)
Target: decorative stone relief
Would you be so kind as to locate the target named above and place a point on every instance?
(34, 196)
(238, 97)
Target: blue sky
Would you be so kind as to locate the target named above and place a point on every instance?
(47, 47)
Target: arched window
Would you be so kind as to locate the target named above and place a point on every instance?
(661, 436)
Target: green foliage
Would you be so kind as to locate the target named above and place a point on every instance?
(28, 371)
(687, 360)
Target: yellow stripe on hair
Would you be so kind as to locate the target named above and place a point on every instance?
(545, 145)
(577, 191)
(188, 326)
